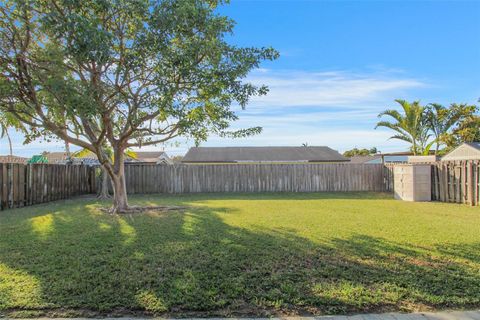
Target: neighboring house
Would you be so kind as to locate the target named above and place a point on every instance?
(56, 157)
(395, 157)
(13, 159)
(38, 159)
(262, 155)
(423, 159)
(151, 157)
(144, 157)
(366, 159)
(466, 151)
(89, 159)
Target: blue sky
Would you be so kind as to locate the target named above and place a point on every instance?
(343, 62)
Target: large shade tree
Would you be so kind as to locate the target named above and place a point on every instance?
(123, 73)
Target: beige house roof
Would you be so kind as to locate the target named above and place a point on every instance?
(13, 159)
(465, 151)
(149, 156)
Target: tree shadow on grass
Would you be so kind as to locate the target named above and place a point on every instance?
(72, 257)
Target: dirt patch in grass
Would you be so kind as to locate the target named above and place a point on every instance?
(146, 209)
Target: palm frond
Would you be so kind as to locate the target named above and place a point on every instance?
(402, 137)
(81, 153)
(426, 150)
(391, 113)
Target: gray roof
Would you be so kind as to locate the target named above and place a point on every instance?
(259, 154)
(476, 145)
(364, 159)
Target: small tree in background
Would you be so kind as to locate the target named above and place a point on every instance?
(467, 129)
(124, 73)
(360, 152)
(441, 121)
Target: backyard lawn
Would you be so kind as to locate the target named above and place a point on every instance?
(240, 254)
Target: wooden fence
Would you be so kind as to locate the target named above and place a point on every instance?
(254, 178)
(24, 185)
(388, 176)
(456, 181)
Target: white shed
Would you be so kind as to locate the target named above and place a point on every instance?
(465, 151)
(412, 182)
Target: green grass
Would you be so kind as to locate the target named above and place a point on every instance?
(259, 254)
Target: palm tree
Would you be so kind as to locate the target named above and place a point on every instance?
(441, 119)
(410, 126)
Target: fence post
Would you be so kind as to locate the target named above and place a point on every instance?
(470, 183)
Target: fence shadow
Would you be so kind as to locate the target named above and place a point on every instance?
(194, 263)
(283, 196)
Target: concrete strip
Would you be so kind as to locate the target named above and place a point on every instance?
(446, 315)
(450, 315)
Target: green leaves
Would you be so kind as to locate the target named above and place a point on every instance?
(448, 126)
(409, 126)
(129, 71)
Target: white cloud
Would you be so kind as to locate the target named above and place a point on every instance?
(333, 88)
(338, 139)
(334, 108)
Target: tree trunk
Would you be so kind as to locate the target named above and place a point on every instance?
(104, 188)
(120, 200)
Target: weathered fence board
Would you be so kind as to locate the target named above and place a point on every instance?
(456, 181)
(388, 176)
(24, 185)
(254, 178)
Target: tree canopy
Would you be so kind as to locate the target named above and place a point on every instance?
(123, 73)
(360, 152)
